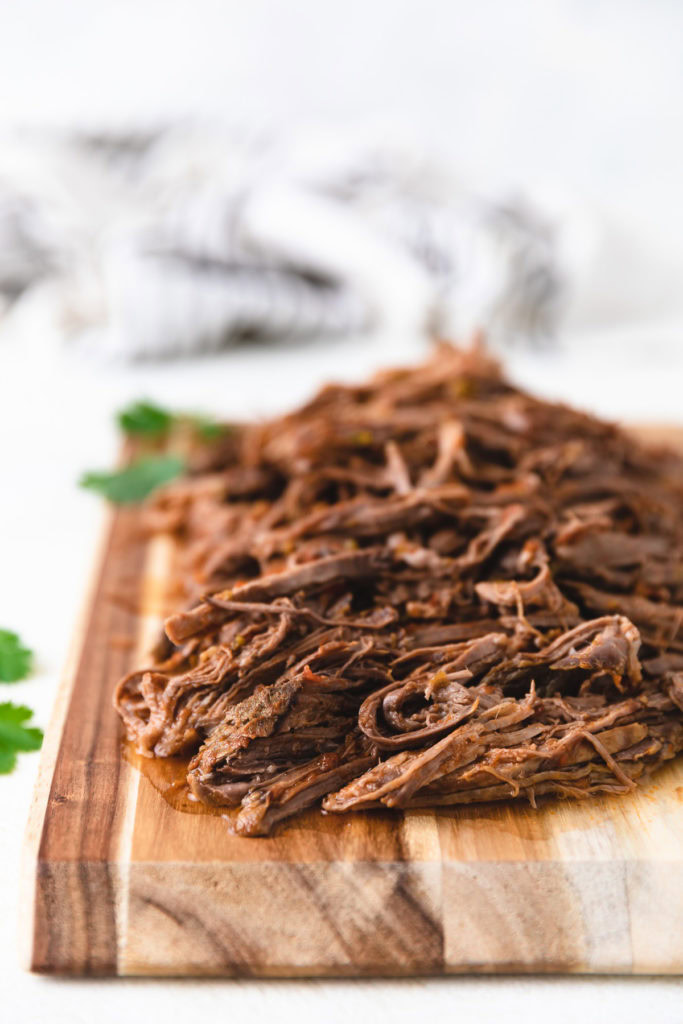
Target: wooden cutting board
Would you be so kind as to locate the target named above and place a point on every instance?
(119, 881)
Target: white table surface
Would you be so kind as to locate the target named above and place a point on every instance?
(55, 421)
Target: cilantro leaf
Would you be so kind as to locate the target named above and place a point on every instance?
(208, 428)
(14, 734)
(146, 418)
(136, 480)
(15, 660)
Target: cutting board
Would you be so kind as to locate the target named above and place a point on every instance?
(117, 880)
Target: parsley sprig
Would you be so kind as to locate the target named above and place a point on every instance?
(136, 480)
(145, 418)
(15, 736)
(15, 660)
(147, 421)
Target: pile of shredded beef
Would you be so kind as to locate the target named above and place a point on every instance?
(427, 590)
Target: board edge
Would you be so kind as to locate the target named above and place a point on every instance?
(30, 876)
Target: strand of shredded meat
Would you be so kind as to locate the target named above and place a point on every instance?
(427, 590)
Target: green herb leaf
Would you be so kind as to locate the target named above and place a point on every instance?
(14, 735)
(145, 418)
(135, 481)
(15, 660)
(208, 428)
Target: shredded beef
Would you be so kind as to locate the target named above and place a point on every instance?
(427, 590)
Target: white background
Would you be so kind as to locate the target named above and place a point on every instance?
(585, 96)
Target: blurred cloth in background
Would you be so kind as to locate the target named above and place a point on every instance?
(192, 237)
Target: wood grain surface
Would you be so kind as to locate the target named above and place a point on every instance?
(118, 881)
